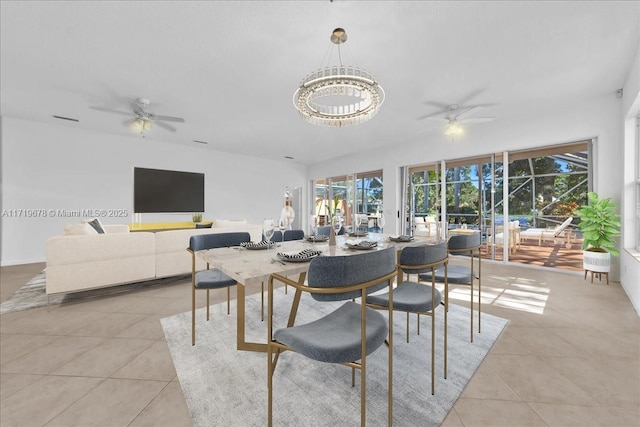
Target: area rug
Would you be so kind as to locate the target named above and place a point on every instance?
(33, 294)
(226, 387)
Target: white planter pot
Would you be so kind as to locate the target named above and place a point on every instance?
(600, 262)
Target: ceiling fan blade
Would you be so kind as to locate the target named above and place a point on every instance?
(466, 111)
(478, 119)
(109, 110)
(165, 126)
(440, 105)
(431, 116)
(129, 122)
(440, 119)
(167, 118)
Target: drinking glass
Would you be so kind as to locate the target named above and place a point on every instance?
(313, 224)
(282, 226)
(337, 222)
(268, 229)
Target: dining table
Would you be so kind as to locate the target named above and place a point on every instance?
(252, 267)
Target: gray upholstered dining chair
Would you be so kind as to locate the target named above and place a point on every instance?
(467, 245)
(277, 237)
(211, 278)
(293, 235)
(414, 297)
(325, 230)
(346, 335)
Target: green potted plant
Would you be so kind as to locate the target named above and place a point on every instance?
(197, 217)
(600, 225)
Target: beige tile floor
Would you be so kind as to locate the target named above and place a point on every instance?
(569, 357)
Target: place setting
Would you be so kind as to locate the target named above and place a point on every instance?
(258, 245)
(361, 245)
(401, 239)
(299, 256)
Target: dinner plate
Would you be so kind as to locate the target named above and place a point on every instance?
(258, 245)
(357, 234)
(363, 245)
(401, 238)
(301, 256)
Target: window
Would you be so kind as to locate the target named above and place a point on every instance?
(536, 188)
(357, 194)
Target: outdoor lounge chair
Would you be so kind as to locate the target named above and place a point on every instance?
(543, 234)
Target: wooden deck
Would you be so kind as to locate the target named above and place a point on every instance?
(547, 255)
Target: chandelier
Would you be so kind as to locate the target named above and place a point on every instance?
(339, 95)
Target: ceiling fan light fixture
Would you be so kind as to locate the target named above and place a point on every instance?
(453, 129)
(337, 96)
(141, 125)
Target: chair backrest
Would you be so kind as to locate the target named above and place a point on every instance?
(422, 256)
(202, 242)
(277, 236)
(293, 235)
(323, 230)
(346, 270)
(559, 229)
(462, 243)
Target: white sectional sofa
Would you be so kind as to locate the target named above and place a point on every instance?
(77, 262)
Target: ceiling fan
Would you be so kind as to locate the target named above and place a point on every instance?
(455, 115)
(143, 119)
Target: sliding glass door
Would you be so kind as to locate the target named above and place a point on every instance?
(502, 195)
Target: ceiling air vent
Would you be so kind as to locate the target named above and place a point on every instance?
(66, 118)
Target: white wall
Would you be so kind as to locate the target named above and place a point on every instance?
(584, 119)
(629, 256)
(55, 167)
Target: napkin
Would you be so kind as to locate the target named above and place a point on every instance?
(304, 254)
(364, 244)
(257, 245)
(402, 238)
(319, 238)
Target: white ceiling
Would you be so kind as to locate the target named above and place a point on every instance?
(230, 68)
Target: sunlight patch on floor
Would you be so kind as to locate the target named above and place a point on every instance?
(507, 292)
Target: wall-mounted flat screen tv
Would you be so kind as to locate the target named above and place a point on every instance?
(164, 191)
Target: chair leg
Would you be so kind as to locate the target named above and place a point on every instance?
(446, 311)
(433, 350)
(269, 386)
(193, 315)
(207, 305)
(407, 326)
(418, 321)
(479, 294)
(471, 309)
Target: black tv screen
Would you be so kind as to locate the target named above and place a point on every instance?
(156, 191)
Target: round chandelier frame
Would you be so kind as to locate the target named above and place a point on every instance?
(338, 96)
